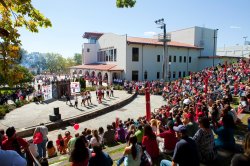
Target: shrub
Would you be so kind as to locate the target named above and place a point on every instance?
(118, 87)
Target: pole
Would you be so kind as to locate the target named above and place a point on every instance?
(214, 48)
(147, 97)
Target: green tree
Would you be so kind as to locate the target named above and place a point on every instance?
(55, 63)
(78, 59)
(125, 3)
(13, 15)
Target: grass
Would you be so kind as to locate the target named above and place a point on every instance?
(58, 161)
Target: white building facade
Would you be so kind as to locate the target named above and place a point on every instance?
(109, 56)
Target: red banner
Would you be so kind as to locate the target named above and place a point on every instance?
(147, 97)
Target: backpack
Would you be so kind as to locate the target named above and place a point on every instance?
(38, 138)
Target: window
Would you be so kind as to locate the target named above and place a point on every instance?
(185, 59)
(169, 74)
(190, 59)
(106, 56)
(115, 55)
(145, 75)
(135, 75)
(112, 55)
(88, 50)
(135, 54)
(158, 75)
(170, 58)
(180, 59)
(184, 74)
(179, 74)
(173, 74)
(158, 58)
(174, 58)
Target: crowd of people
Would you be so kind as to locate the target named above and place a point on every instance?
(184, 128)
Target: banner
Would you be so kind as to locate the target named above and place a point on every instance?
(75, 87)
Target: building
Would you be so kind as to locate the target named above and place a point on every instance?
(235, 51)
(109, 56)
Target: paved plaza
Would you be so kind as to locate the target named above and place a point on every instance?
(33, 114)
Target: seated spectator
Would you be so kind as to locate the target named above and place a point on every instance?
(109, 136)
(170, 139)
(89, 135)
(14, 142)
(71, 143)
(61, 148)
(185, 152)
(66, 138)
(132, 153)
(191, 125)
(225, 134)
(204, 139)
(139, 134)
(80, 155)
(2, 136)
(51, 149)
(243, 159)
(96, 140)
(150, 143)
(11, 157)
(100, 158)
(130, 131)
(121, 133)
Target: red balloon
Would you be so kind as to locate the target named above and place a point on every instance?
(76, 126)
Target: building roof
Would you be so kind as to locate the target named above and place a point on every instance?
(87, 35)
(96, 66)
(150, 41)
(218, 57)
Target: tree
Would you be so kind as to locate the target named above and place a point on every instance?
(55, 63)
(125, 3)
(78, 59)
(15, 14)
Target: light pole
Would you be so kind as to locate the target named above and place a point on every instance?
(245, 42)
(165, 38)
(215, 43)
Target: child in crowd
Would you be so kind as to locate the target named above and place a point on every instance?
(51, 149)
(61, 148)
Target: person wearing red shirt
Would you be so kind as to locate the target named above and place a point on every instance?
(150, 143)
(169, 138)
(14, 142)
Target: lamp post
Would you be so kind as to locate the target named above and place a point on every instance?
(165, 38)
(215, 43)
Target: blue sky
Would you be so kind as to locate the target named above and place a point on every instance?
(71, 18)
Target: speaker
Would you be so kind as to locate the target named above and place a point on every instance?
(54, 118)
(56, 111)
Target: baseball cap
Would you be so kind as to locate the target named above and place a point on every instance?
(180, 128)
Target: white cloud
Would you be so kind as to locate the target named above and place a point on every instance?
(235, 27)
(149, 33)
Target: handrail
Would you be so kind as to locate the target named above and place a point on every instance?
(37, 163)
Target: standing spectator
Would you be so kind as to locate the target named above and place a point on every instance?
(150, 143)
(191, 125)
(42, 146)
(100, 158)
(185, 152)
(76, 101)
